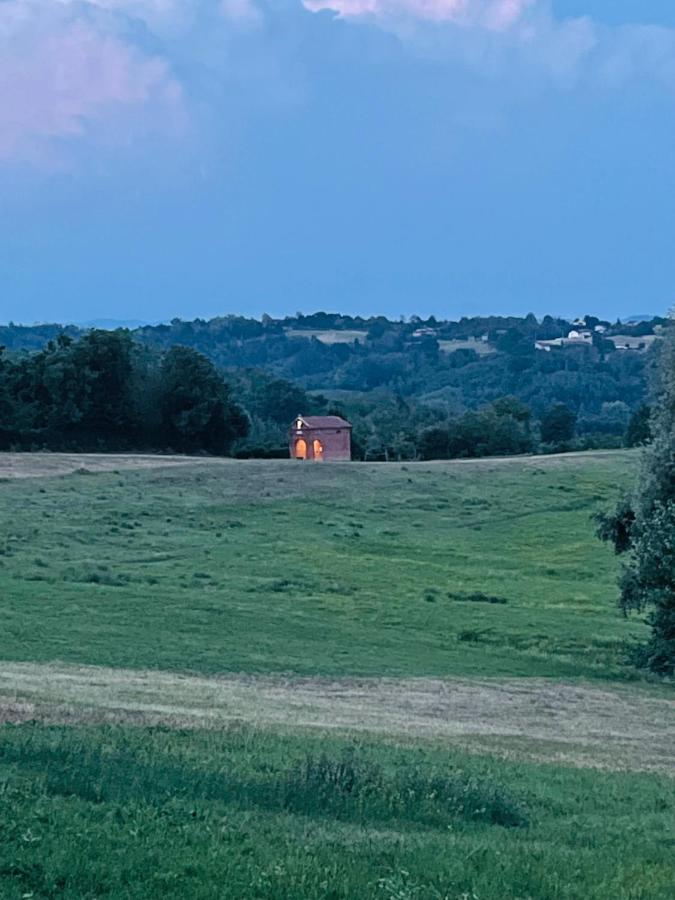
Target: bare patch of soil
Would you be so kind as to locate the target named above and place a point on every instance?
(569, 724)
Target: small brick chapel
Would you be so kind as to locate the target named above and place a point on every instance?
(320, 438)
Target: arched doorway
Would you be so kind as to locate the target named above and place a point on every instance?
(318, 450)
(301, 449)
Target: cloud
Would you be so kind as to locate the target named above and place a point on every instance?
(241, 13)
(492, 14)
(110, 72)
(107, 73)
(155, 13)
(65, 70)
(504, 37)
(494, 38)
(635, 49)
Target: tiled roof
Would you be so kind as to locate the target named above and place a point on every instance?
(325, 421)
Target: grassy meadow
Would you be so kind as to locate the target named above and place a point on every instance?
(216, 576)
(339, 569)
(90, 813)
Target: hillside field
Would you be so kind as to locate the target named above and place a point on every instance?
(328, 336)
(341, 569)
(271, 679)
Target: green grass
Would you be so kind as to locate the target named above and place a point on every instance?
(319, 569)
(91, 813)
(485, 568)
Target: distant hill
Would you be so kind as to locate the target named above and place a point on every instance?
(395, 379)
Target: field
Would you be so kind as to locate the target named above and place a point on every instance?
(282, 680)
(328, 336)
(358, 570)
(629, 342)
(482, 348)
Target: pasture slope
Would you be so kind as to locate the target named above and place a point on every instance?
(279, 680)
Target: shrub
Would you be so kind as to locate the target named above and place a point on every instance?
(476, 597)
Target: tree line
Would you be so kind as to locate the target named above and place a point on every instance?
(114, 390)
(104, 391)
(450, 368)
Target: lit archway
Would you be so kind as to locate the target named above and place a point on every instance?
(301, 449)
(318, 450)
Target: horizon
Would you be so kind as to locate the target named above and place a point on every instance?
(134, 324)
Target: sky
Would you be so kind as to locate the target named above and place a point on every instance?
(196, 158)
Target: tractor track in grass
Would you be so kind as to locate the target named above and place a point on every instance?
(574, 724)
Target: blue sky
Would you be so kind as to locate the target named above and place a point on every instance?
(164, 158)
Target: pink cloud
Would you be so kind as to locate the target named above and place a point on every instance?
(496, 15)
(61, 76)
(505, 13)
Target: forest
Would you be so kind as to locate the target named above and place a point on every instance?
(417, 388)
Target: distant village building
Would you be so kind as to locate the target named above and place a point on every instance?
(580, 337)
(320, 438)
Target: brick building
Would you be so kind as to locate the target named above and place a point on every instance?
(320, 438)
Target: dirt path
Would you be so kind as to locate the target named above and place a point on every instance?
(572, 724)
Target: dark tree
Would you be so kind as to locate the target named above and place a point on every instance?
(501, 429)
(195, 405)
(617, 526)
(557, 425)
(512, 406)
(434, 443)
(77, 393)
(94, 376)
(274, 399)
(5, 405)
(639, 430)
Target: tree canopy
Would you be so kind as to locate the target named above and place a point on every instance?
(643, 528)
(104, 391)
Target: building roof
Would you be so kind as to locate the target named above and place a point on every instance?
(325, 422)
